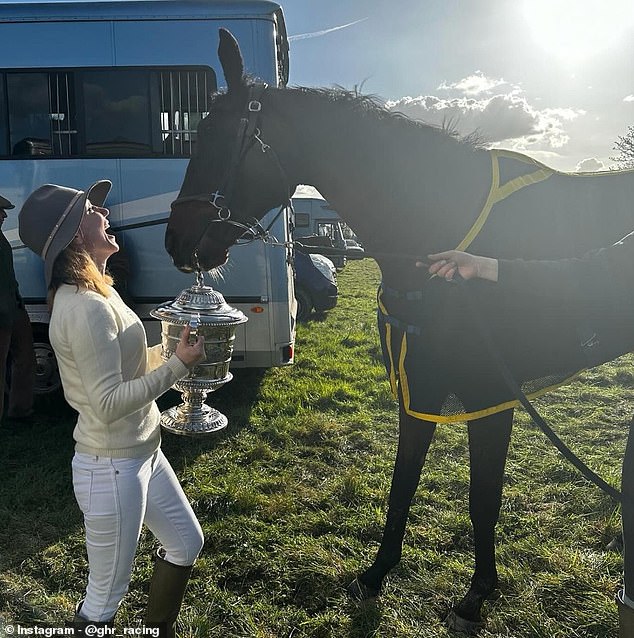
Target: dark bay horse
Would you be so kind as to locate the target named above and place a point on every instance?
(408, 190)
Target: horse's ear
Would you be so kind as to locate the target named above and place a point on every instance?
(231, 60)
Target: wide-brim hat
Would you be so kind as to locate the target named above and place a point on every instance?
(50, 218)
(5, 204)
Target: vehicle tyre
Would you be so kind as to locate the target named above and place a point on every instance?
(304, 304)
(47, 380)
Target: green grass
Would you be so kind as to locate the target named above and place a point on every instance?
(292, 501)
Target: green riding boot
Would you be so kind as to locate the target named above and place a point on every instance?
(167, 589)
(626, 617)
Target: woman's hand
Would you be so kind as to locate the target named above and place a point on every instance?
(468, 266)
(190, 354)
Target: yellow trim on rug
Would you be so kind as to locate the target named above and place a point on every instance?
(471, 416)
(497, 193)
(466, 416)
(439, 418)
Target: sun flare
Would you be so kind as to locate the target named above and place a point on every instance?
(575, 30)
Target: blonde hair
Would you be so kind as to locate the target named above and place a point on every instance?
(75, 266)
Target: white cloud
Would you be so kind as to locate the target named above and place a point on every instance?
(473, 84)
(628, 98)
(502, 119)
(590, 165)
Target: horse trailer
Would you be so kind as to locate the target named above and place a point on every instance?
(115, 90)
(318, 225)
(316, 222)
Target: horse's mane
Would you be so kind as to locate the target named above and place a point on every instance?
(373, 106)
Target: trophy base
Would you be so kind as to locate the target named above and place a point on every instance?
(184, 420)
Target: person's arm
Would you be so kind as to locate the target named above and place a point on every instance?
(93, 336)
(600, 274)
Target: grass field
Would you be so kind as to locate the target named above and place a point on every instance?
(292, 499)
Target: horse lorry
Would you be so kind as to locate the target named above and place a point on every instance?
(319, 226)
(115, 90)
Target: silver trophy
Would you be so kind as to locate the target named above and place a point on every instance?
(208, 315)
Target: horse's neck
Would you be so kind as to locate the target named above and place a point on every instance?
(410, 190)
(394, 183)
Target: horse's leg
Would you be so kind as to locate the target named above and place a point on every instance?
(488, 446)
(413, 443)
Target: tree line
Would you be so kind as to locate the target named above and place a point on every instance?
(625, 146)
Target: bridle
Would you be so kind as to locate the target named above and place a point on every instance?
(219, 202)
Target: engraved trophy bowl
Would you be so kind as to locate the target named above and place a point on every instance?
(208, 315)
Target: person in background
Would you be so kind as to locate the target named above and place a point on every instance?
(600, 286)
(121, 478)
(16, 337)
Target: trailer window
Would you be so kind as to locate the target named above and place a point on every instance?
(62, 114)
(302, 220)
(116, 108)
(29, 122)
(114, 112)
(328, 229)
(184, 102)
(333, 231)
(41, 115)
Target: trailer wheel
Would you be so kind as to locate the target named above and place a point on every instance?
(47, 379)
(304, 304)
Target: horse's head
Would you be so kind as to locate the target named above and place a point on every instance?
(232, 180)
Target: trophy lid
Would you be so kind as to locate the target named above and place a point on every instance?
(200, 300)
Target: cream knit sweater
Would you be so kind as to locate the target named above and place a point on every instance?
(109, 375)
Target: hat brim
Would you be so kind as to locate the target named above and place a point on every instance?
(5, 204)
(65, 234)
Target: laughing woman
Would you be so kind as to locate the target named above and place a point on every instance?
(121, 478)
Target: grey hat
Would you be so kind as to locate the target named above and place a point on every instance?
(5, 204)
(50, 218)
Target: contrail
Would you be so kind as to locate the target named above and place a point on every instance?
(316, 34)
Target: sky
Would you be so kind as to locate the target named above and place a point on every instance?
(553, 79)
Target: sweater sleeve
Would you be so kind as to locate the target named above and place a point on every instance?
(600, 276)
(93, 338)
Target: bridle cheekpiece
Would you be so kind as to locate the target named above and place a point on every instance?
(248, 136)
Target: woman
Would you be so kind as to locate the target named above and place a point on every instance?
(601, 288)
(120, 477)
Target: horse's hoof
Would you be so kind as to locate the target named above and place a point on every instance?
(458, 623)
(360, 592)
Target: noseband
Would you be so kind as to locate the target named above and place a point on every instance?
(219, 202)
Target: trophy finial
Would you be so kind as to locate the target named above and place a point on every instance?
(200, 279)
